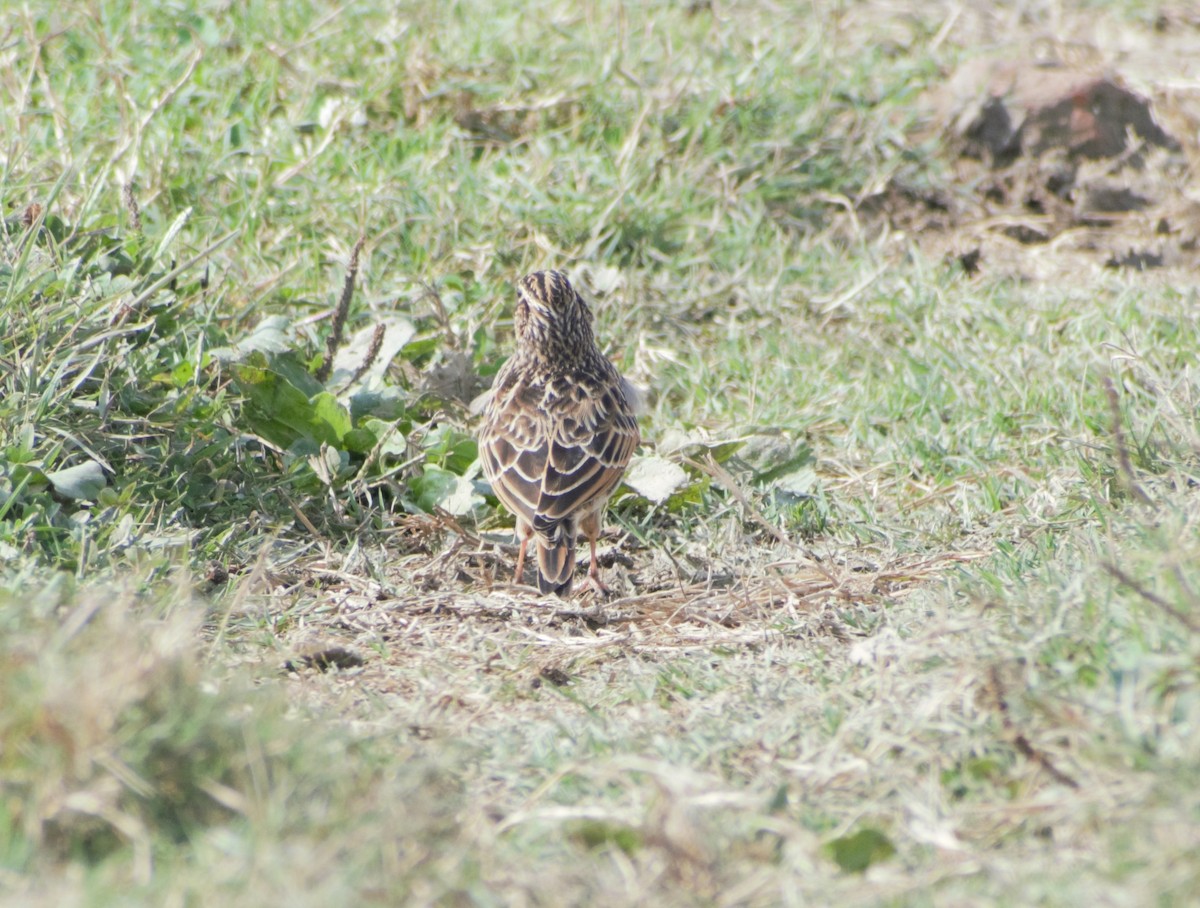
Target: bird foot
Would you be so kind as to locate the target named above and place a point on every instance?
(595, 584)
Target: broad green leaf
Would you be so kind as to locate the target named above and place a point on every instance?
(691, 494)
(28, 474)
(421, 347)
(799, 483)
(361, 440)
(394, 442)
(172, 232)
(179, 377)
(282, 413)
(274, 409)
(463, 499)
(269, 336)
(397, 331)
(303, 448)
(655, 478)
(776, 457)
(294, 370)
(330, 415)
(449, 448)
(855, 853)
(25, 442)
(692, 444)
(82, 482)
(387, 403)
(594, 834)
(438, 488)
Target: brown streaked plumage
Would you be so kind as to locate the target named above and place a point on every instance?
(558, 430)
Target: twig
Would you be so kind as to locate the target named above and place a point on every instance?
(337, 329)
(443, 317)
(1152, 597)
(1019, 741)
(134, 141)
(301, 516)
(135, 211)
(1118, 432)
(331, 132)
(710, 466)
(1029, 752)
(179, 269)
(372, 353)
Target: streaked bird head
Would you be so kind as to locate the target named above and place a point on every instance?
(552, 320)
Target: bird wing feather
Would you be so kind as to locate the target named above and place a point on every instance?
(546, 464)
(514, 453)
(585, 456)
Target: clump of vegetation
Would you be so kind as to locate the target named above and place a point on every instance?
(114, 402)
(124, 755)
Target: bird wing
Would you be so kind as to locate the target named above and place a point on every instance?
(585, 454)
(514, 451)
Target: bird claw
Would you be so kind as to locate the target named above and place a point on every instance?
(597, 585)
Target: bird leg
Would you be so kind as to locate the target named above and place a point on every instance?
(591, 528)
(594, 573)
(521, 559)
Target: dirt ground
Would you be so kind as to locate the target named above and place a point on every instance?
(1070, 149)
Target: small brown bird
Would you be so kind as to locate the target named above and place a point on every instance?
(558, 430)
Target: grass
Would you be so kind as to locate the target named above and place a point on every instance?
(918, 624)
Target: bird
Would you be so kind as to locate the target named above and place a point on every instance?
(559, 429)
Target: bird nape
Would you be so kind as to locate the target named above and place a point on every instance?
(558, 430)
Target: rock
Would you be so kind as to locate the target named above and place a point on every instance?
(1005, 109)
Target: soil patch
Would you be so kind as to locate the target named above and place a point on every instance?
(1073, 157)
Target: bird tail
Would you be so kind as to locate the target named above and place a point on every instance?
(556, 563)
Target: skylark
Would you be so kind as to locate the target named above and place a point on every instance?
(558, 430)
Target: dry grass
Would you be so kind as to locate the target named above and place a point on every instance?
(411, 622)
